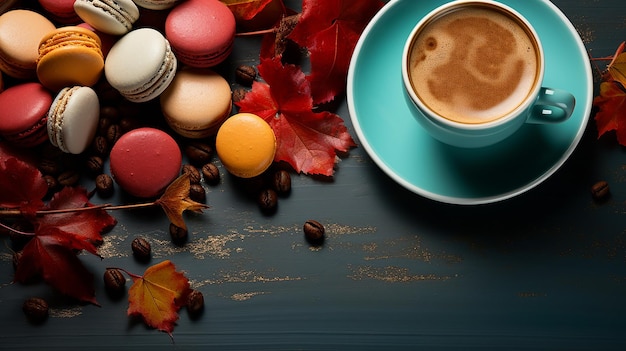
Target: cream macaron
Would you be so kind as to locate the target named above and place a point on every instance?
(108, 16)
(141, 65)
(73, 119)
(246, 145)
(196, 102)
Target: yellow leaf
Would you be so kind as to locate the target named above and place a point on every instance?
(158, 295)
(617, 69)
(175, 200)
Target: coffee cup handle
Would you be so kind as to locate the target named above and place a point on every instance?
(552, 106)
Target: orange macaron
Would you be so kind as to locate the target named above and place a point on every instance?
(20, 34)
(246, 145)
(70, 56)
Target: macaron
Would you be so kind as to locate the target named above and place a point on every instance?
(61, 11)
(196, 102)
(73, 119)
(246, 145)
(70, 56)
(144, 161)
(201, 32)
(109, 16)
(106, 40)
(156, 4)
(141, 65)
(24, 112)
(20, 34)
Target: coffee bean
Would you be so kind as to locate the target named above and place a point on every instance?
(192, 172)
(211, 174)
(100, 145)
(113, 134)
(198, 153)
(239, 94)
(178, 234)
(600, 190)
(49, 166)
(245, 74)
(94, 164)
(127, 124)
(36, 310)
(314, 232)
(197, 193)
(109, 113)
(114, 282)
(195, 303)
(104, 185)
(141, 249)
(53, 184)
(268, 200)
(281, 182)
(68, 178)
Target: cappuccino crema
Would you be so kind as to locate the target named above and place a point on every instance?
(474, 64)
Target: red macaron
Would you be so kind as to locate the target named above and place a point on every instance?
(145, 161)
(23, 114)
(201, 32)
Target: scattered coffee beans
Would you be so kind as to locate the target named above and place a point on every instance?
(113, 134)
(104, 185)
(239, 94)
(195, 303)
(281, 182)
(141, 249)
(192, 172)
(245, 74)
(68, 178)
(198, 153)
(95, 165)
(100, 145)
(178, 234)
(197, 193)
(36, 310)
(211, 174)
(48, 166)
(314, 232)
(600, 190)
(114, 282)
(268, 201)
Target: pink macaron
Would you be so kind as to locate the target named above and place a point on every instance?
(61, 11)
(201, 32)
(145, 161)
(23, 116)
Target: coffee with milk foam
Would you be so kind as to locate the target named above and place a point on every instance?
(474, 64)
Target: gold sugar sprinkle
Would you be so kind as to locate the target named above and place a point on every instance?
(66, 312)
(393, 274)
(247, 296)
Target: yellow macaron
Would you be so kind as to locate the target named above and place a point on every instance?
(70, 56)
(246, 145)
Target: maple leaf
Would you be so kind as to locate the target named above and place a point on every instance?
(246, 9)
(158, 295)
(175, 200)
(330, 29)
(617, 68)
(611, 114)
(51, 253)
(307, 140)
(23, 186)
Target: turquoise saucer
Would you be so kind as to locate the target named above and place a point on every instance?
(383, 117)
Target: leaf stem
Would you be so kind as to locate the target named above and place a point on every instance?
(106, 207)
(15, 230)
(132, 275)
(257, 32)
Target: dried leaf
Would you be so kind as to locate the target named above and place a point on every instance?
(158, 295)
(175, 200)
(611, 114)
(617, 68)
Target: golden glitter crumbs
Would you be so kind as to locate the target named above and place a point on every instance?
(409, 248)
(531, 294)
(393, 274)
(247, 296)
(249, 277)
(6, 257)
(214, 245)
(112, 246)
(272, 230)
(339, 229)
(66, 312)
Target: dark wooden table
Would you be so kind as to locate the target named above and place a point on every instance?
(544, 270)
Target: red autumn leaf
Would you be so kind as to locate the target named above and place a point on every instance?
(158, 295)
(246, 9)
(330, 29)
(23, 186)
(611, 114)
(51, 253)
(307, 140)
